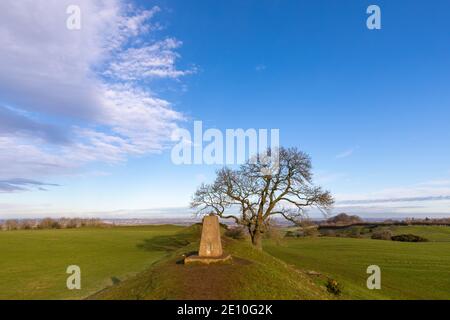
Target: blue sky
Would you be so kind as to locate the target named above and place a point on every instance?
(82, 112)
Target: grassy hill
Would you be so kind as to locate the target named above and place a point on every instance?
(252, 275)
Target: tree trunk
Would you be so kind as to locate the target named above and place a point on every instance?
(257, 239)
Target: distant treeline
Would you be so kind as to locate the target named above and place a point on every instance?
(49, 223)
(345, 223)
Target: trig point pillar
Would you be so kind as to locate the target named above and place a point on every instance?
(210, 244)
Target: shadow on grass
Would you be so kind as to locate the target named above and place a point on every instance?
(115, 280)
(166, 243)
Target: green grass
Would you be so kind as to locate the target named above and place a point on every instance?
(432, 233)
(33, 263)
(253, 274)
(269, 278)
(144, 263)
(409, 270)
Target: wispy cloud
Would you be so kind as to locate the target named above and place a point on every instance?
(395, 212)
(425, 198)
(14, 185)
(152, 61)
(322, 177)
(346, 153)
(406, 199)
(260, 67)
(14, 122)
(81, 96)
(433, 188)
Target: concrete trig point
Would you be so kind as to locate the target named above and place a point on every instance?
(210, 244)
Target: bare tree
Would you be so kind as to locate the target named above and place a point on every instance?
(261, 189)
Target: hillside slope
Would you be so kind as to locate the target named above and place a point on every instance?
(408, 270)
(252, 275)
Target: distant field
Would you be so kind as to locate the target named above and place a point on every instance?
(409, 270)
(432, 233)
(33, 263)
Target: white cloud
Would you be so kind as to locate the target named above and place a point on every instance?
(260, 67)
(157, 60)
(438, 182)
(442, 209)
(73, 97)
(323, 177)
(430, 197)
(416, 191)
(14, 185)
(346, 153)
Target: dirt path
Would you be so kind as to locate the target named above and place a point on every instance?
(208, 282)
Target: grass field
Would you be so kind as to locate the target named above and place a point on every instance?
(144, 263)
(432, 233)
(408, 270)
(33, 263)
